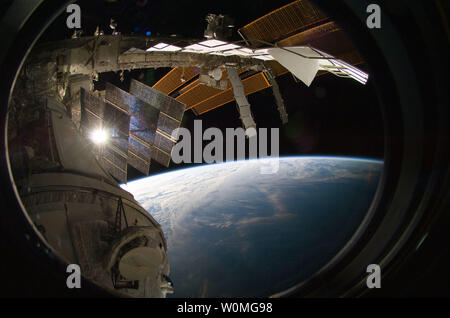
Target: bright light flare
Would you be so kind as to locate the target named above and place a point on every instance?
(99, 136)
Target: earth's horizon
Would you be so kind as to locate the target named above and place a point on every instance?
(234, 232)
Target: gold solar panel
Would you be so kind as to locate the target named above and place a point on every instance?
(306, 36)
(252, 84)
(188, 87)
(327, 37)
(197, 92)
(214, 101)
(277, 68)
(172, 80)
(282, 22)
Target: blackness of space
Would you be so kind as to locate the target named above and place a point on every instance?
(333, 116)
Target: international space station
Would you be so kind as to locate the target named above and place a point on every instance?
(71, 145)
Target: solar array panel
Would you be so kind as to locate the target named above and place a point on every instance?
(251, 84)
(170, 116)
(92, 109)
(139, 126)
(295, 16)
(164, 103)
(196, 92)
(115, 163)
(142, 126)
(98, 114)
(307, 36)
(173, 79)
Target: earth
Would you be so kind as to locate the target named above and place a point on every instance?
(234, 232)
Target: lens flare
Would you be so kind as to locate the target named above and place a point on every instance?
(99, 136)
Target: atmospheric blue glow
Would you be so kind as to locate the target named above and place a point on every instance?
(268, 158)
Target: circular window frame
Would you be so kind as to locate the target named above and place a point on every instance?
(414, 185)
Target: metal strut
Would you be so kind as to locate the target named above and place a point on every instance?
(278, 98)
(241, 100)
(119, 212)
